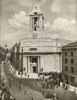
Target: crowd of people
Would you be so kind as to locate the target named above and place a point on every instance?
(51, 82)
(49, 95)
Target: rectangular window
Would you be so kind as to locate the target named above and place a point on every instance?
(71, 53)
(72, 69)
(33, 49)
(72, 79)
(72, 61)
(65, 53)
(65, 60)
(66, 68)
(66, 77)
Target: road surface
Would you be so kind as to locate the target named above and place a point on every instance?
(25, 85)
(30, 86)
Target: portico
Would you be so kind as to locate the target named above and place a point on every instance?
(31, 63)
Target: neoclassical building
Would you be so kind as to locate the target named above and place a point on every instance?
(38, 51)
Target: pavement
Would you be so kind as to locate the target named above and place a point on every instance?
(30, 86)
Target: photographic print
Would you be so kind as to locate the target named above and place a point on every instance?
(38, 49)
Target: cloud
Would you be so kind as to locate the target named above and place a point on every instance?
(8, 39)
(66, 28)
(43, 1)
(62, 28)
(13, 37)
(56, 6)
(19, 20)
(48, 26)
(25, 3)
(63, 24)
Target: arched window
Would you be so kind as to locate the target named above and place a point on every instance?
(35, 13)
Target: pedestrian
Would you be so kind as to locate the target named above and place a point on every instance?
(55, 98)
(11, 97)
(37, 83)
(43, 92)
(3, 96)
(0, 97)
(3, 79)
(25, 91)
(52, 98)
(43, 76)
(28, 76)
(65, 92)
(10, 84)
(19, 87)
(55, 94)
(14, 98)
(32, 98)
(21, 74)
(20, 82)
(9, 79)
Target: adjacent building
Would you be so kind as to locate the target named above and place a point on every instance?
(69, 64)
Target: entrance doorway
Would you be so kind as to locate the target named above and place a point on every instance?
(34, 64)
(34, 69)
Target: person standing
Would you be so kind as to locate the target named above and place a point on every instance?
(19, 87)
(10, 84)
(20, 82)
(32, 98)
(3, 79)
(3, 96)
(25, 91)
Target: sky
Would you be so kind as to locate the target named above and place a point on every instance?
(60, 19)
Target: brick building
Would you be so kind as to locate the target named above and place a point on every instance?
(69, 64)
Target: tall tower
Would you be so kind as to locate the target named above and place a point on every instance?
(36, 19)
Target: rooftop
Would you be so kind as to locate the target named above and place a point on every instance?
(70, 45)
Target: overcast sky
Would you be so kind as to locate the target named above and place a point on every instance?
(60, 18)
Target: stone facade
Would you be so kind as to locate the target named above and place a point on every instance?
(46, 51)
(69, 64)
(39, 52)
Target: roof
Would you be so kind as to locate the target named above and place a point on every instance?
(70, 45)
(64, 40)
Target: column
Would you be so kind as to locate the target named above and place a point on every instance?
(27, 64)
(38, 64)
(42, 62)
(22, 63)
(28, 60)
(32, 23)
(43, 22)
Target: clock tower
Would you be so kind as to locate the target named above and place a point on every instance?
(36, 19)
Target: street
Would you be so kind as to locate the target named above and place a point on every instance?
(19, 94)
(30, 86)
